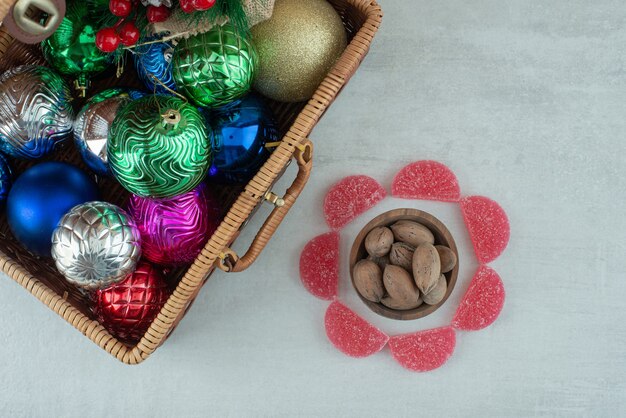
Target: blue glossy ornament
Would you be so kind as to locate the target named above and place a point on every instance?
(155, 60)
(241, 130)
(40, 197)
(6, 178)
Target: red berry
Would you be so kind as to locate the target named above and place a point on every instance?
(120, 8)
(107, 40)
(187, 6)
(129, 34)
(203, 4)
(158, 14)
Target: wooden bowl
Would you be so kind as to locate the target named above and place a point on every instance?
(442, 237)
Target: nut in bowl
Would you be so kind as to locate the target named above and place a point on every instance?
(404, 264)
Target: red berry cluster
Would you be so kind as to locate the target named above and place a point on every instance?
(190, 6)
(125, 31)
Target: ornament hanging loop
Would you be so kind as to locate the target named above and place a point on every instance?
(170, 119)
(82, 84)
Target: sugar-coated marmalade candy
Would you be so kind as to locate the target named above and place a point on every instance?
(482, 303)
(351, 197)
(425, 350)
(427, 180)
(319, 265)
(351, 334)
(488, 227)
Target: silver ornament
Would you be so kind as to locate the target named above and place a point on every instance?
(157, 3)
(95, 245)
(35, 111)
(91, 128)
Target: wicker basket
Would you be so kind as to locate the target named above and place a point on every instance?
(39, 276)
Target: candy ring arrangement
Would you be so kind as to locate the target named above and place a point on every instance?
(489, 231)
(189, 125)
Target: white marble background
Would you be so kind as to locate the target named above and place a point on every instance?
(526, 101)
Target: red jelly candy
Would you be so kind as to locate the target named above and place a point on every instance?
(482, 302)
(427, 180)
(488, 227)
(425, 350)
(319, 265)
(351, 334)
(351, 197)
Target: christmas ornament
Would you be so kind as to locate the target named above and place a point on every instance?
(159, 147)
(35, 111)
(154, 60)
(92, 125)
(72, 48)
(95, 245)
(22, 24)
(174, 231)
(6, 178)
(297, 47)
(40, 197)
(240, 133)
(127, 309)
(216, 67)
(157, 3)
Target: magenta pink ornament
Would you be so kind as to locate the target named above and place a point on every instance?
(174, 230)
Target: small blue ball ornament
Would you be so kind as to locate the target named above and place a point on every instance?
(241, 130)
(40, 197)
(155, 60)
(6, 179)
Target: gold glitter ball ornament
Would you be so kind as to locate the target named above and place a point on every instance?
(297, 47)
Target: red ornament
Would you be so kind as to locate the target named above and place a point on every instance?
(158, 14)
(203, 4)
(187, 6)
(129, 34)
(107, 40)
(127, 309)
(120, 8)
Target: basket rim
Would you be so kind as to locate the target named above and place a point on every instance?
(197, 274)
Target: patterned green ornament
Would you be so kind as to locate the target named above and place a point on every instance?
(216, 67)
(159, 146)
(72, 47)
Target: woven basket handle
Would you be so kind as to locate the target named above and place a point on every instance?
(233, 263)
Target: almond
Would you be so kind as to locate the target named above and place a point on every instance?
(438, 292)
(381, 261)
(401, 255)
(412, 233)
(368, 280)
(397, 305)
(378, 241)
(399, 284)
(448, 258)
(426, 267)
